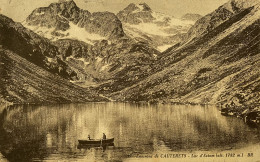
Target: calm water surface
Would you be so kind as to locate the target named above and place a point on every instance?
(50, 133)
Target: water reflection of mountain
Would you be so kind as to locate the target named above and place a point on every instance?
(16, 144)
(51, 132)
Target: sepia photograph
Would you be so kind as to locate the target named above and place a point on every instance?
(130, 80)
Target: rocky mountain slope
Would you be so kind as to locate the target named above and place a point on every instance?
(34, 48)
(219, 16)
(161, 31)
(218, 63)
(32, 72)
(114, 65)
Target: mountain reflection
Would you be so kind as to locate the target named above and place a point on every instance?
(51, 132)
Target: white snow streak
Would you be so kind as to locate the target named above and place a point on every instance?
(164, 47)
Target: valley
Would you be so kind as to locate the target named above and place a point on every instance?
(139, 54)
(134, 81)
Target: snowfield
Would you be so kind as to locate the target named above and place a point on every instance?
(74, 32)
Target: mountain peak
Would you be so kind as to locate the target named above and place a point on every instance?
(65, 4)
(136, 13)
(137, 7)
(145, 7)
(62, 19)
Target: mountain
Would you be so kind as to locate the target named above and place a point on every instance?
(161, 31)
(136, 14)
(65, 20)
(219, 64)
(94, 46)
(219, 16)
(32, 72)
(216, 60)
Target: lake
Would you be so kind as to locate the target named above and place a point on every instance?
(141, 131)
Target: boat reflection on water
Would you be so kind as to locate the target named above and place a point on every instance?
(97, 141)
(96, 146)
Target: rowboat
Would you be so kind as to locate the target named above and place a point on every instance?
(96, 141)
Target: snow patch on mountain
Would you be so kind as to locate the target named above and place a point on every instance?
(148, 28)
(159, 30)
(162, 26)
(170, 20)
(40, 13)
(42, 31)
(132, 32)
(99, 59)
(74, 32)
(86, 63)
(138, 9)
(164, 47)
(104, 67)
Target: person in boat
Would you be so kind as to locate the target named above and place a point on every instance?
(104, 136)
(89, 137)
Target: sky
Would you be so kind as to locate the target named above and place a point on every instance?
(18, 10)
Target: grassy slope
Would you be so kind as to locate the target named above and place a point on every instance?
(23, 82)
